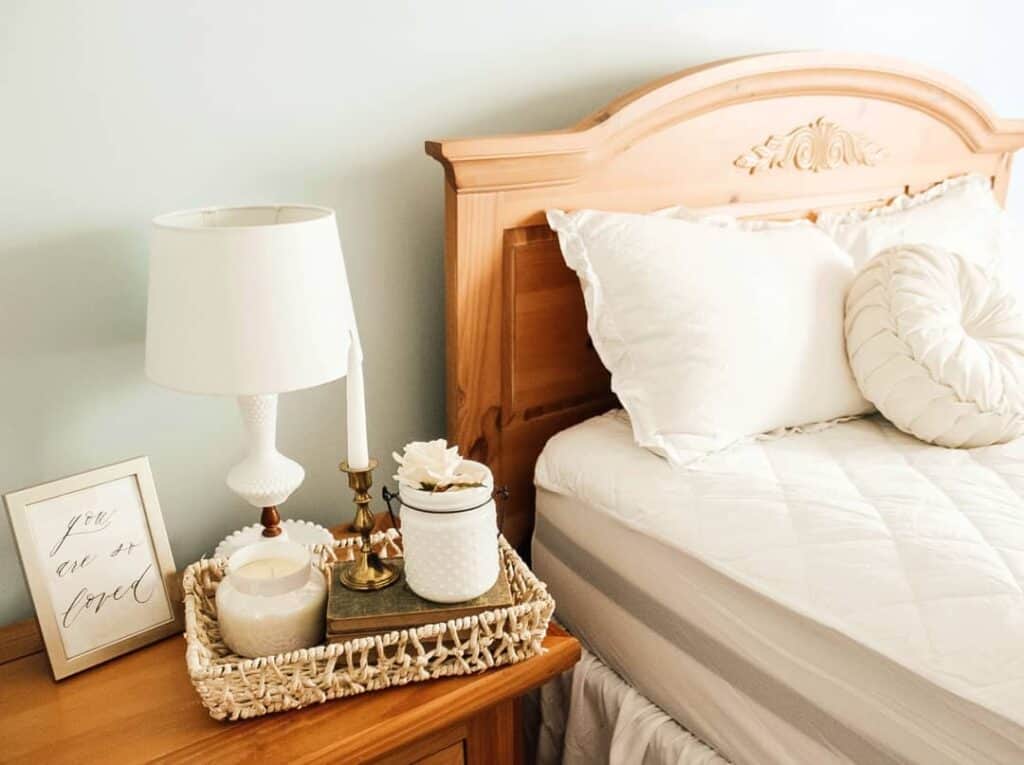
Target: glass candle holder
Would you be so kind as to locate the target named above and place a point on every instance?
(271, 600)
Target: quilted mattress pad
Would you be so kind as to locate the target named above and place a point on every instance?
(882, 576)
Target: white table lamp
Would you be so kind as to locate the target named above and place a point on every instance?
(252, 302)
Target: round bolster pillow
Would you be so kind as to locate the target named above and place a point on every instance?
(937, 345)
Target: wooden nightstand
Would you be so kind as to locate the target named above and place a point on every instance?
(142, 708)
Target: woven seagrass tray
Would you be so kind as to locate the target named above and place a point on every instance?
(234, 688)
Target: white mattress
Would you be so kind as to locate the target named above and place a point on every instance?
(854, 587)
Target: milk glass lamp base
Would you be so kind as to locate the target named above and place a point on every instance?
(303, 532)
(265, 478)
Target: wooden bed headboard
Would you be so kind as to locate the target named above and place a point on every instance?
(778, 135)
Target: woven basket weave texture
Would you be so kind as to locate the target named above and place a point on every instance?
(234, 688)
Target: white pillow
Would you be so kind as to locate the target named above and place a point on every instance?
(713, 332)
(938, 346)
(961, 215)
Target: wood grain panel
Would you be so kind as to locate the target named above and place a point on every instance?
(142, 708)
(432, 749)
(450, 755)
(551, 374)
(473, 324)
(519, 367)
(495, 736)
(521, 442)
(549, 362)
(20, 639)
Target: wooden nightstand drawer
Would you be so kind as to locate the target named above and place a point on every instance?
(450, 755)
(490, 737)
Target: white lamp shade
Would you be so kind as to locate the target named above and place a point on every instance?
(247, 300)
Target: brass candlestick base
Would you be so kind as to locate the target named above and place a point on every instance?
(367, 571)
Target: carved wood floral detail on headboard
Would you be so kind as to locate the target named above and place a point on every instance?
(820, 145)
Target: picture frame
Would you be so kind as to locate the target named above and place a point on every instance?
(98, 564)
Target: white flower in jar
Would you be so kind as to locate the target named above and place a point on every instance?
(435, 466)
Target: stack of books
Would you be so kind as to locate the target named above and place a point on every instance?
(352, 614)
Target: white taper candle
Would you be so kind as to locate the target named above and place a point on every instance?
(358, 449)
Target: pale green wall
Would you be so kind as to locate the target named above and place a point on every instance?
(112, 112)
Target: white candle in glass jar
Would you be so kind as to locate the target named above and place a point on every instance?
(269, 568)
(271, 600)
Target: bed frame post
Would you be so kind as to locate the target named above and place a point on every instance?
(473, 323)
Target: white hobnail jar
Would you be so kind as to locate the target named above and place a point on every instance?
(450, 541)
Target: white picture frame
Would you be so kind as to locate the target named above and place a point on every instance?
(98, 564)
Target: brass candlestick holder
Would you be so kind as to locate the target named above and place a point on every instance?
(367, 571)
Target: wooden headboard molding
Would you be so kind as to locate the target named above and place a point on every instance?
(780, 135)
(558, 157)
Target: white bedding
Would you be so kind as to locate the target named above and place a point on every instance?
(857, 585)
(707, 324)
(611, 723)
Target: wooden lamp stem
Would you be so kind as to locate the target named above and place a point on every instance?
(271, 521)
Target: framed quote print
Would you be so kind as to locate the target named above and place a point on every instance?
(97, 562)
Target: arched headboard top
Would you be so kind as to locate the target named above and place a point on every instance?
(497, 162)
(780, 135)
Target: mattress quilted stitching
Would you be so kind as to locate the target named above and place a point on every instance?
(963, 513)
(967, 516)
(998, 546)
(985, 542)
(894, 539)
(913, 550)
(788, 506)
